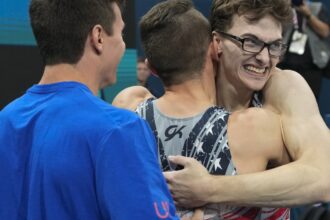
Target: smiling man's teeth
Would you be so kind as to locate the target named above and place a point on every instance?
(255, 69)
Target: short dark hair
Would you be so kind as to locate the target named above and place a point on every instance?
(223, 11)
(140, 60)
(175, 38)
(61, 27)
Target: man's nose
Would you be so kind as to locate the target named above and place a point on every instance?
(263, 56)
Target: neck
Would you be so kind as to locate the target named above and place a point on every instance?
(186, 99)
(141, 83)
(67, 72)
(232, 98)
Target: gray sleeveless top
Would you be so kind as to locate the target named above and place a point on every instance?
(203, 137)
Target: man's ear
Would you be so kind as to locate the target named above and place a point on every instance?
(151, 68)
(97, 38)
(217, 45)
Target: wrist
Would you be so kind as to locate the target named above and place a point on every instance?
(214, 189)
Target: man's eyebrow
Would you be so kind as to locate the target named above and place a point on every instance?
(256, 38)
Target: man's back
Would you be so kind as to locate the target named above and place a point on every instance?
(205, 137)
(63, 151)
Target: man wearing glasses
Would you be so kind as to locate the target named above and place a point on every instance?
(247, 37)
(254, 45)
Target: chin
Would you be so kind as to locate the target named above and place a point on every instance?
(113, 82)
(255, 84)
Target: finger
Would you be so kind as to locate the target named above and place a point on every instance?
(198, 214)
(181, 160)
(185, 218)
(169, 176)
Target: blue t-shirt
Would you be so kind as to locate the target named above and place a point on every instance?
(66, 154)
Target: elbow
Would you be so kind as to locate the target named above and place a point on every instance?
(326, 197)
(325, 189)
(327, 194)
(325, 33)
(326, 183)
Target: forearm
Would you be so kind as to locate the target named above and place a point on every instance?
(289, 185)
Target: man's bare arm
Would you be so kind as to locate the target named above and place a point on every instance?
(130, 97)
(306, 180)
(305, 134)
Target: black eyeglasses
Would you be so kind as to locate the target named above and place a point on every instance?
(275, 49)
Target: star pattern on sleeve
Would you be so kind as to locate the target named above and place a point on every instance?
(199, 146)
(221, 115)
(217, 164)
(209, 128)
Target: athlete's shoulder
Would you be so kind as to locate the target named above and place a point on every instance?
(287, 91)
(130, 97)
(283, 81)
(257, 129)
(255, 122)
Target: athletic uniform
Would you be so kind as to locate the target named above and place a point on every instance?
(65, 154)
(203, 137)
(256, 100)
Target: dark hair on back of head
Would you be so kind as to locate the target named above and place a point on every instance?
(61, 27)
(223, 11)
(141, 59)
(175, 38)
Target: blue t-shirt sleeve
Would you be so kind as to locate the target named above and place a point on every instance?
(129, 181)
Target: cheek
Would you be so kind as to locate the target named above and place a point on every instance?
(120, 46)
(123, 46)
(275, 61)
(233, 61)
(121, 51)
(235, 56)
